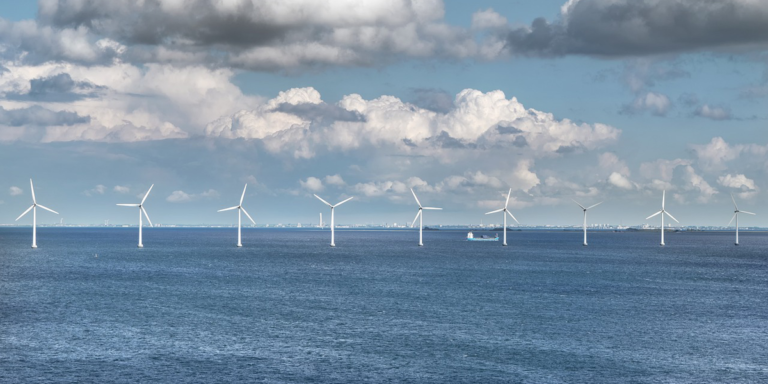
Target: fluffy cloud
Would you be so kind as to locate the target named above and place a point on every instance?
(737, 181)
(121, 189)
(643, 27)
(620, 181)
(334, 180)
(714, 155)
(134, 103)
(251, 34)
(15, 191)
(312, 184)
(477, 121)
(97, 190)
(183, 197)
(713, 113)
(656, 103)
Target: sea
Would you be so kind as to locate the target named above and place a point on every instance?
(88, 306)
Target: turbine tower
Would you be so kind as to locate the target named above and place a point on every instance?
(240, 209)
(505, 212)
(141, 210)
(333, 243)
(585, 218)
(662, 212)
(33, 208)
(736, 216)
(420, 216)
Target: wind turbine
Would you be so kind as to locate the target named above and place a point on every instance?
(420, 216)
(333, 244)
(141, 210)
(736, 216)
(505, 216)
(33, 208)
(239, 208)
(585, 217)
(662, 212)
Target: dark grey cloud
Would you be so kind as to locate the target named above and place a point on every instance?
(618, 28)
(39, 116)
(436, 100)
(56, 88)
(445, 140)
(506, 128)
(320, 113)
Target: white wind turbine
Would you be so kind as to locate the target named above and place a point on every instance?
(736, 216)
(662, 212)
(33, 208)
(420, 216)
(505, 212)
(333, 244)
(239, 208)
(141, 210)
(585, 217)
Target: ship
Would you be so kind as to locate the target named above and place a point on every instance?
(471, 237)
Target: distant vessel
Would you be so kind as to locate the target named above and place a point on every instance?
(471, 237)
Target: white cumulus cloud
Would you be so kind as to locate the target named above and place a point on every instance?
(15, 191)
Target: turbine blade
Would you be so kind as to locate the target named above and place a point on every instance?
(653, 215)
(249, 216)
(147, 216)
(417, 199)
(32, 188)
(47, 209)
(509, 194)
(595, 205)
(414, 219)
(748, 213)
(337, 204)
(326, 203)
(513, 217)
(663, 197)
(432, 208)
(671, 217)
(145, 196)
(733, 217)
(228, 209)
(577, 203)
(129, 205)
(496, 211)
(243, 195)
(25, 212)
(734, 202)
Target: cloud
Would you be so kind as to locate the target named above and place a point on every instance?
(619, 28)
(179, 197)
(737, 181)
(183, 197)
(714, 155)
(134, 103)
(488, 19)
(252, 34)
(313, 184)
(476, 121)
(15, 191)
(620, 181)
(656, 103)
(121, 189)
(334, 180)
(39, 116)
(98, 190)
(713, 113)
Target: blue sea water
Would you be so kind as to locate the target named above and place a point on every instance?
(190, 307)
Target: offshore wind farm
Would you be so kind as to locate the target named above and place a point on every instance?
(490, 121)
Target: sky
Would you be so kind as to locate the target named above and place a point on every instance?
(586, 100)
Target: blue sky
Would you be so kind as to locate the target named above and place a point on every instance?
(590, 100)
